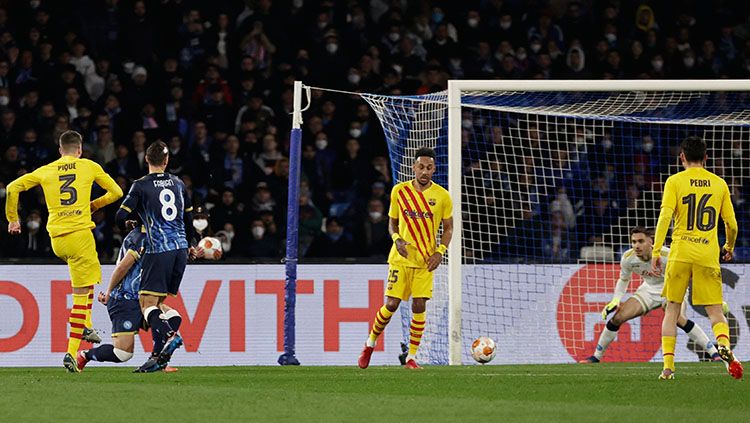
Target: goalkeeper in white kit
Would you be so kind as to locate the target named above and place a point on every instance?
(646, 298)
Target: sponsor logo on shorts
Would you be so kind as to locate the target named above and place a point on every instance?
(127, 324)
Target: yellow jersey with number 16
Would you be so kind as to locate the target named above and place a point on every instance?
(697, 198)
(66, 183)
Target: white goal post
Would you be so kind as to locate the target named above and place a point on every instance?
(455, 93)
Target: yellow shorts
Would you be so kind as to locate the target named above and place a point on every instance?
(405, 282)
(79, 251)
(707, 288)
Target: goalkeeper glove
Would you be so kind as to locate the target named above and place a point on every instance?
(609, 308)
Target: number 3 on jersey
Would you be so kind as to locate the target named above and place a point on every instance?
(696, 213)
(67, 180)
(168, 207)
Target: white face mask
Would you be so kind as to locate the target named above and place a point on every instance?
(657, 64)
(332, 48)
(2, 192)
(607, 144)
(376, 215)
(394, 36)
(648, 147)
(200, 224)
(466, 123)
(32, 225)
(321, 144)
(355, 132)
(535, 47)
(4, 100)
(611, 37)
(258, 232)
(689, 62)
(472, 22)
(505, 25)
(521, 56)
(353, 78)
(298, 3)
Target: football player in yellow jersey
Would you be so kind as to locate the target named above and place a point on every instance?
(418, 207)
(696, 198)
(66, 183)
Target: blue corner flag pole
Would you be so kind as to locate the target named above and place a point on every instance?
(292, 230)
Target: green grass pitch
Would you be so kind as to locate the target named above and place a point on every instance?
(550, 393)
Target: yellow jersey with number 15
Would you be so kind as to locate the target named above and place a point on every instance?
(697, 198)
(419, 215)
(66, 183)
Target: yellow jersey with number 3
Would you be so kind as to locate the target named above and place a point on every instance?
(696, 198)
(66, 183)
(419, 215)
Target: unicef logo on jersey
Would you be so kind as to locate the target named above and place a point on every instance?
(127, 324)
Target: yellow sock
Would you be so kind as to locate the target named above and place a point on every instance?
(415, 332)
(721, 332)
(77, 322)
(667, 348)
(89, 303)
(382, 317)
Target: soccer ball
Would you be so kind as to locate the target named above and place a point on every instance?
(211, 247)
(483, 349)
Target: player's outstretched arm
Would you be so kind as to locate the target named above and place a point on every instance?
(121, 217)
(114, 192)
(730, 226)
(434, 260)
(397, 240)
(129, 204)
(24, 183)
(122, 269)
(620, 288)
(668, 206)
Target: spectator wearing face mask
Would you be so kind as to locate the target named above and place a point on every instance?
(226, 236)
(34, 241)
(261, 244)
(373, 231)
(201, 224)
(334, 242)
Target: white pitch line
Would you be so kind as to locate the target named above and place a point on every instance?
(579, 374)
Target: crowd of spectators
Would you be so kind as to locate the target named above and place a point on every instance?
(214, 81)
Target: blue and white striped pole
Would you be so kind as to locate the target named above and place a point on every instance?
(292, 230)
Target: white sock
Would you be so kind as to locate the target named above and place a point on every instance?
(701, 339)
(605, 339)
(411, 357)
(370, 343)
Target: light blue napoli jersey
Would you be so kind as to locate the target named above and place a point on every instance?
(133, 244)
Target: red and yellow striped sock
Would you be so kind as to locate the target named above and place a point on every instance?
(89, 303)
(721, 332)
(415, 332)
(382, 317)
(667, 348)
(77, 322)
